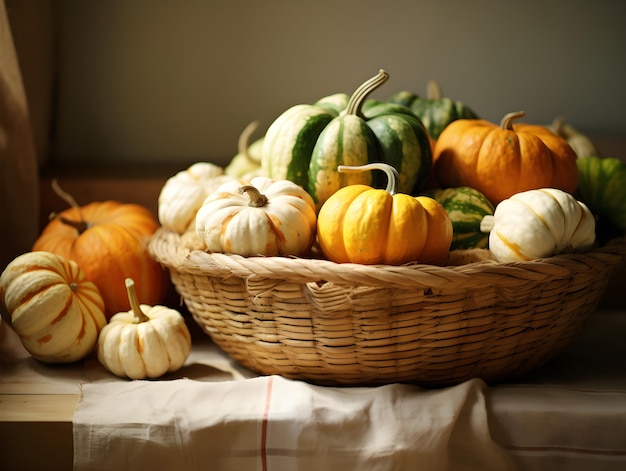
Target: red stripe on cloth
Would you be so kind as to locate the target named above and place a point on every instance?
(268, 397)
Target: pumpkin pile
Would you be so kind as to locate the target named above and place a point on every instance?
(407, 180)
(347, 178)
(66, 298)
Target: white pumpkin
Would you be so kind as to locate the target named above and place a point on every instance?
(539, 223)
(265, 217)
(183, 194)
(145, 342)
(54, 309)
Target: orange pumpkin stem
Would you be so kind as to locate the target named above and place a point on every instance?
(134, 303)
(81, 226)
(507, 120)
(257, 199)
(244, 139)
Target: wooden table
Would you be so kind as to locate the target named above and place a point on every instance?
(37, 401)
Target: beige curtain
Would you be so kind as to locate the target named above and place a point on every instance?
(19, 190)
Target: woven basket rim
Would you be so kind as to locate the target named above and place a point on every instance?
(166, 247)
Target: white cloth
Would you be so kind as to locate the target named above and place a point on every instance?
(271, 423)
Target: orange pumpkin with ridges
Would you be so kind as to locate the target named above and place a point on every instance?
(500, 161)
(108, 240)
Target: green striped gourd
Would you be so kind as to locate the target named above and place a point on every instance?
(307, 143)
(466, 207)
(602, 187)
(435, 111)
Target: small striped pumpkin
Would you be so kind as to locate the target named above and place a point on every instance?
(466, 207)
(57, 313)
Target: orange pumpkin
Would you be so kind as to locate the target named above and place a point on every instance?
(500, 161)
(108, 241)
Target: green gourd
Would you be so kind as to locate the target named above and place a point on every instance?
(602, 187)
(466, 207)
(435, 110)
(306, 143)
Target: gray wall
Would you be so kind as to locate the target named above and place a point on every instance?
(165, 81)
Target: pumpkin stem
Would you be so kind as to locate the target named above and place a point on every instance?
(392, 173)
(81, 225)
(487, 223)
(433, 90)
(360, 94)
(244, 140)
(134, 303)
(257, 199)
(557, 126)
(506, 122)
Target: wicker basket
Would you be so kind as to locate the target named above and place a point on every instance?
(347, 324)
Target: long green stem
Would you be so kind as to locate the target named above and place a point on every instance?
(360, 94)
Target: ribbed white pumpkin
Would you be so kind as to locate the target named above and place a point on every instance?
(265, 217)
(145, 342)
(55, 311)
(539, 223)
(183, 194)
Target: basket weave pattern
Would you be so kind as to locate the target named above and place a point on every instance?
(348, 324)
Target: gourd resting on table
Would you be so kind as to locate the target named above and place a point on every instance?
(144, 342)
(108, 240)
(54, 309)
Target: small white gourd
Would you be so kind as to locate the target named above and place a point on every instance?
(182, 195)
(263, 217)
(539, 223)
(145, 342)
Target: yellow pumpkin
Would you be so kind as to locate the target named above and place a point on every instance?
(144, 342)
(108, 240)
(264, 217)
(54, 309)
(361, 224)
(500, 161)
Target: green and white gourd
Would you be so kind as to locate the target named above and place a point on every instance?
(466, 207)
(435, 110)
(307, 143)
